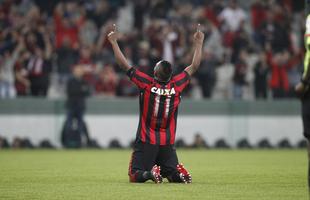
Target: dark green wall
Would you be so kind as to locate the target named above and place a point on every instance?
(130, 106)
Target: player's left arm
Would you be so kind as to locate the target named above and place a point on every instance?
(198, 42)
(120, 58)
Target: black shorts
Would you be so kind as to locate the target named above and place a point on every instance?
(145, 156)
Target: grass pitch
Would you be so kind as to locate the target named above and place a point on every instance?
(102, 174)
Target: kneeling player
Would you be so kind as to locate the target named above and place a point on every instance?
(154, 156)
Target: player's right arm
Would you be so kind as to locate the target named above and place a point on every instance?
(139, 78)
(198, 42)
(119, 56)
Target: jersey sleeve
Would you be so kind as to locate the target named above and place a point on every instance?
(181, 81)
(140, 79)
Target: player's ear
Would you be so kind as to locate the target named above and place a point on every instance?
(155, 73)
(156, 68)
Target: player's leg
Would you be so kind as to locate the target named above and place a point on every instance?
(170, 167)
(308, 141)
(142, 164)
(306, 125)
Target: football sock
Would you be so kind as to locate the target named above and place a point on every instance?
(147, 175)
(142, 176)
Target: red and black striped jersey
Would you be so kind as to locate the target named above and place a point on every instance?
(158, 106)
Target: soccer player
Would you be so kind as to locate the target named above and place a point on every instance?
(302, 89)
(154, 156)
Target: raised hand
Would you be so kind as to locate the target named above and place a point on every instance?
(119, 56)
(199, 35)
(113, 35)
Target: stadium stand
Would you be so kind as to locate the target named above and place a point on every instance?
(256, 56)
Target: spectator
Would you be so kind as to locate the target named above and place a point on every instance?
(7, 88)
(22, 82)
(261, 72)
(275, 33)
(239, 77)
(160, 30)
(213, 41)
(107, 83)
(160, 8)
(101, 13)
(279, 64)
(231, 19)
(169, 38)
(67, 23)
(258, 15)
(240, 43)
(126, 88)
(75, 126)
(224, 80)
(199, 142)
(86, 61)
(89, 34)
(206, 74)
(66, 58)
(211, 14)
(140, 8)
(39, 67)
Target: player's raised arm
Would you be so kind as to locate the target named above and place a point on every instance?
(120, 58)
(198, 42)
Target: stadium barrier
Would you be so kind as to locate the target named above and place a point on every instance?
(236, 122)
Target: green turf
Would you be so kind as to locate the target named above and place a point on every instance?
(217, 175)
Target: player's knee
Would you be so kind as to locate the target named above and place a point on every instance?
(132, 178)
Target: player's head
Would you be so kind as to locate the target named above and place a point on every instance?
(163, 71)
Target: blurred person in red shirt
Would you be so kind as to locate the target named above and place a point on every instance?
(258, 13)
(39, 66)
(68, 19)
(107, 83)
(279, 64)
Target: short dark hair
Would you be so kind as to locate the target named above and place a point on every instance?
(164, 70)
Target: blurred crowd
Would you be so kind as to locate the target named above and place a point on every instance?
(252, 50)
